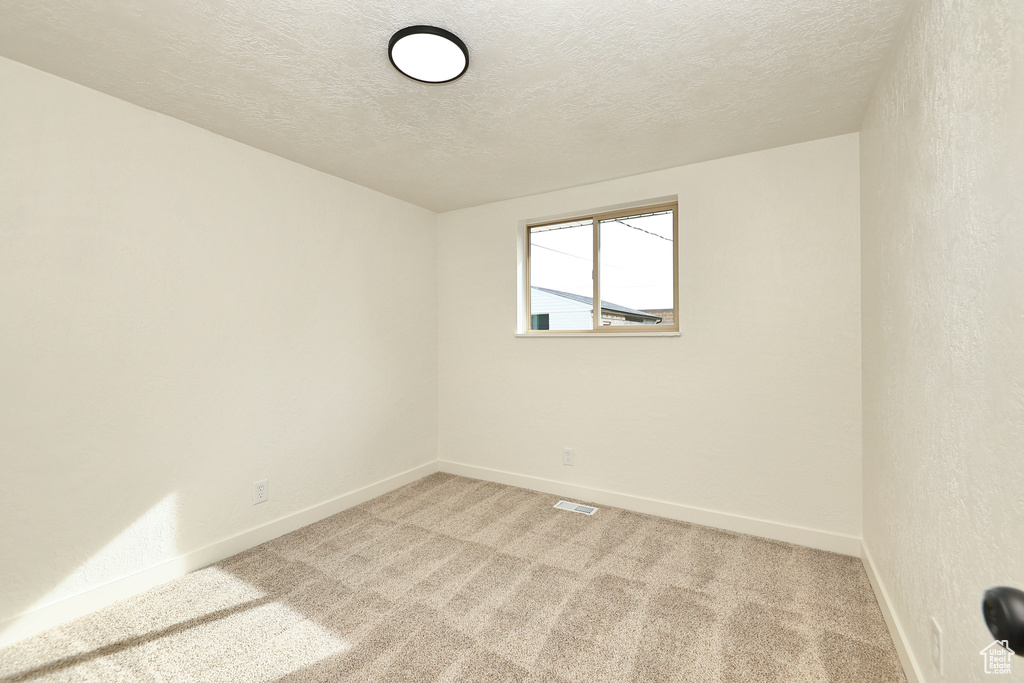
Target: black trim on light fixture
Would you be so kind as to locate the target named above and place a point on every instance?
(432, 30)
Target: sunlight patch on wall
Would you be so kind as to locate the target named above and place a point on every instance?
(150, 540)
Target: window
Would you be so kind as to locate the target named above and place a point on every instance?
(626, 260)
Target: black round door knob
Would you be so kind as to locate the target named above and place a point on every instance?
(1004, 613)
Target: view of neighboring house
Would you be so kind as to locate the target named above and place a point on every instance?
(551, 309)
(667, 315)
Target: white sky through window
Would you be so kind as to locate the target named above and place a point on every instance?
(636, 259)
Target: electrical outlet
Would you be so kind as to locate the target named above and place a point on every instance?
(260, 492)
(937, 647)
(568, 459)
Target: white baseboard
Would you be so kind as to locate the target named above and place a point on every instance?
(40, 619)
(899, 639)
(813, 538)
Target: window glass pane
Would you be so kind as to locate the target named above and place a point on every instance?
(636, 267)
(561, 272)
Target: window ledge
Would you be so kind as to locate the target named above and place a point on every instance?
(597, 334)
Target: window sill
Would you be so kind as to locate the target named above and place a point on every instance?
(524, 335)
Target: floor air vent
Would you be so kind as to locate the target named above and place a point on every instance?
(575, 507)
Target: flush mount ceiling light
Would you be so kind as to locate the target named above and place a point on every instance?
(428, 54)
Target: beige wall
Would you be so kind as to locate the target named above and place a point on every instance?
(753, 411)
(180, 316)
(942, 163)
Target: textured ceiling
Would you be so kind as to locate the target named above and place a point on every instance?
(558, 93)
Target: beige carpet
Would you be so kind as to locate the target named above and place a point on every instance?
(454, 579)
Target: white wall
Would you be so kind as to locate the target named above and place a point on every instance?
(753, 411)
(180, 316)
(942, 162)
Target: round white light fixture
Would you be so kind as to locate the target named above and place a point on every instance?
(428, 54)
